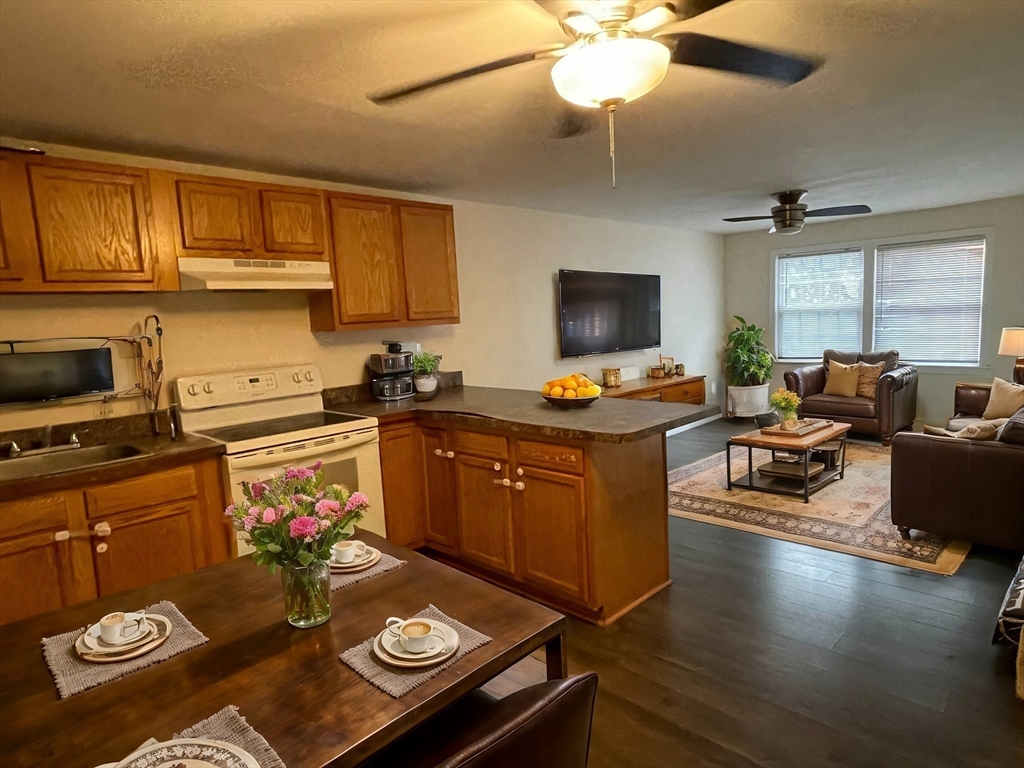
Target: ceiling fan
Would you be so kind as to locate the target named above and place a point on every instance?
(620, 50)
(788, 216)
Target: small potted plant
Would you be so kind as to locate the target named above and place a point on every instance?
(786, 403)
(424, 366)
(748, 369)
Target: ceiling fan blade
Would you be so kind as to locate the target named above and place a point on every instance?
(687, 9)
(772, 231)
(652, 19)
(582, 24)
(839, 210)
(748, 218)
(696, 50)
(386, 97)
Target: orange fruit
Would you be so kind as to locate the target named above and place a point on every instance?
(570, 384)
(569, 394)
(556, 392)
(546, 390)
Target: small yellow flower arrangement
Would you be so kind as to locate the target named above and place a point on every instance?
(786, 403)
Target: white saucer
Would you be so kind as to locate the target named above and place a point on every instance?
(163, 628)
(356, 565)
(389, 650)
(145, 629)
(367, 555)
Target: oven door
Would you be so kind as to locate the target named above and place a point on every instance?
(351, 459)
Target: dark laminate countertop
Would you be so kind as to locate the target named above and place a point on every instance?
(608, 420)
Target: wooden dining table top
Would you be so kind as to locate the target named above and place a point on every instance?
(288, 683)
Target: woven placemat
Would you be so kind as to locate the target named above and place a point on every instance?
(385, 564)
(72, 675)
(398, 682)
(227, 725)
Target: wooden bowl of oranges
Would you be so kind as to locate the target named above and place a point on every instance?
(574, 391)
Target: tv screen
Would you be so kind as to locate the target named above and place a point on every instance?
(27, 377)
(604, 312)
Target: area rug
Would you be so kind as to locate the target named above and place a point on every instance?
(850, 515)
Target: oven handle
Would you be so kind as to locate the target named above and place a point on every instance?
(292, 457)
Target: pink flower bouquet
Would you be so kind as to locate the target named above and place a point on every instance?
(293, 523)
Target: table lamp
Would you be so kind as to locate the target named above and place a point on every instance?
(1012, 343)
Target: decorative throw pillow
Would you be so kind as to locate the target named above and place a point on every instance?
(1013, 430)
(983, 430)
(1005, 400)
(846, 358)
(890, 357)
(842, 379)
(937, 431)
(867, 379)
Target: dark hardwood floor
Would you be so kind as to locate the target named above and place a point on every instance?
(770, 653)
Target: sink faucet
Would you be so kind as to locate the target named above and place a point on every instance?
(47, 435)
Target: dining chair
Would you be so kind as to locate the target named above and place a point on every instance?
(544, 725)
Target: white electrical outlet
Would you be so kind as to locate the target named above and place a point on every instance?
(714, 387)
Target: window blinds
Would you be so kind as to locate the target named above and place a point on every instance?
(819, 303)
(928, 300)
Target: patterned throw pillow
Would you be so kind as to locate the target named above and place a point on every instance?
(842, 379)
(981, 430)
(867, 379)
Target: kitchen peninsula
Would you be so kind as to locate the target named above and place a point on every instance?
(566, 506)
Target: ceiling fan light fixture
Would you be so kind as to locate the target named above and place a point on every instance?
(616, 70)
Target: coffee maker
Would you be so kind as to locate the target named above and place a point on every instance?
(391, 373)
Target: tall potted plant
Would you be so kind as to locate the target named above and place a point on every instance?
(748, 370)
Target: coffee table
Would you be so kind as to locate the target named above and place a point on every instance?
(800, 445)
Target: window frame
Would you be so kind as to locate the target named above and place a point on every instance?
(869, 247)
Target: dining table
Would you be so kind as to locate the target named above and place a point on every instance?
(288, 683)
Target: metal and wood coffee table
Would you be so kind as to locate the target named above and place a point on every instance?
(810, 482)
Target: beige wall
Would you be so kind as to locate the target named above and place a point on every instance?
(748, 273)
(507, 257)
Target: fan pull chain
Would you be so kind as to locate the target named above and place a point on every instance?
(611, 105)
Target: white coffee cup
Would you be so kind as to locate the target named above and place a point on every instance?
(347, 551)
(414, 634)
(115, 627)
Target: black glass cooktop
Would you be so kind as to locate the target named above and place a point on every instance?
(257, 429)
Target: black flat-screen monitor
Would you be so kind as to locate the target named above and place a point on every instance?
(604, 312)
(32, 377)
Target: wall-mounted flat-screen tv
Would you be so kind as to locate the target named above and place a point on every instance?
(603, 312)
(35, 377)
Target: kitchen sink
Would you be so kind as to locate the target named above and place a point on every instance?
(62, 461)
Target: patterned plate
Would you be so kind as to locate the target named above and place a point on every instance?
(190, 753)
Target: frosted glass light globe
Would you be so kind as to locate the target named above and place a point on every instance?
(609, 70)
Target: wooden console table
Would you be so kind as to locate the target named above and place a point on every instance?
(671, 389)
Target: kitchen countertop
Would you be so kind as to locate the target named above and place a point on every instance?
(608, 420)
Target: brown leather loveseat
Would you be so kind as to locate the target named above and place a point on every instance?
(893, 409)
(967, 489)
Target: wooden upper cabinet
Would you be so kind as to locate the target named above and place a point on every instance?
(293, 223)
(215, 216)
(365, 260)
(428, 255)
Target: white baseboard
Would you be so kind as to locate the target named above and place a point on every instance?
(686, 427)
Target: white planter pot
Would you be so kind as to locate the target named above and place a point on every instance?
(747, 401)
(425, 383)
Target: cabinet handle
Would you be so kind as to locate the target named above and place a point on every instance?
(62, 535)
(497, 467)
(450, 455)
(519, 471)
(101, 529)
(504, 481)
(520, 486)
(102, 547)
(438, 452)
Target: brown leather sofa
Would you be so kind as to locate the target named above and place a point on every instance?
(544, 725)
(967, 489)
(893, 409)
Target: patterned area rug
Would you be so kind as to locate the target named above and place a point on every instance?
(850, 515)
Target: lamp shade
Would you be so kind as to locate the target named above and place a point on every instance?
(611, 70)
(1012, 342)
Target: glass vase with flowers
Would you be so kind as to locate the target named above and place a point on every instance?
(293, 523)
(786, 403)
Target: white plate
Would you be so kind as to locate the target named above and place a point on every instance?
(163, 630)
(367, 555)
(394, 654)
(190, 753)
(356, 566)
(145, 629)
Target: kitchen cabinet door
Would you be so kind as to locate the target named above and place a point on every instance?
(551, 538)
(485, 512)
(293, 223)
(148, 545)
(442, 519)
(428, 255)
(92, 224)
(216, 217)
(401, 461)
(366, 275)
(44, 555)
(19, 252)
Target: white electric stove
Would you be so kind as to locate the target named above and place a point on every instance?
(274, 418)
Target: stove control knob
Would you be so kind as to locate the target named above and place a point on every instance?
(208, 388)
(309, 375)
(297, 377)
(193, 390)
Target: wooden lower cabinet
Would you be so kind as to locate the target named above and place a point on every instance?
(401, 459)
(442, 520)
(484, 503)
(63, 548)
(550, 510)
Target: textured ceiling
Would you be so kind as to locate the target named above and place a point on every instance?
(920, 102)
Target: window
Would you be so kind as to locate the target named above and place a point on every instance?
(928, 300)
(819, 303)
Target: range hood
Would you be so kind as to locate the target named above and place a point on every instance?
(206, 274)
